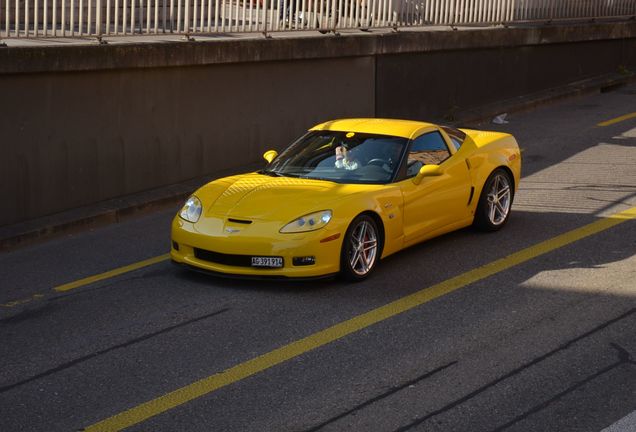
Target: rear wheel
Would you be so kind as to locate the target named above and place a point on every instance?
(360, 249)
(495, 202)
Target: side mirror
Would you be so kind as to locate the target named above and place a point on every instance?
(427, 171)
(269, 155)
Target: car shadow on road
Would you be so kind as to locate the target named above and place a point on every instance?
(209, 279)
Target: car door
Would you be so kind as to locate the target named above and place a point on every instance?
(433, 202)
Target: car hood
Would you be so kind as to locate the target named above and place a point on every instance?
(261, 197)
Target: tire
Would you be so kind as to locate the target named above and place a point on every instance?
(361, 249)
(495, 202)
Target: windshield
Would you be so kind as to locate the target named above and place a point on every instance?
(343, 157)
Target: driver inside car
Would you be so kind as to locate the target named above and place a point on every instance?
(344, 159)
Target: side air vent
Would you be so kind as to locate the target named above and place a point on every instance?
(241, 221)
(472, 192)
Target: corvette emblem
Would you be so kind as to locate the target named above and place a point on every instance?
(232, 230)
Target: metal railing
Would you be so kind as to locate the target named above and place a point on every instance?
(73, 18)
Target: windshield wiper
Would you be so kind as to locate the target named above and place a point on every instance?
(270, 173)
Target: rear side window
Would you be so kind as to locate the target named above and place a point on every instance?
(426, 149)
(457, 144)
(456, 136)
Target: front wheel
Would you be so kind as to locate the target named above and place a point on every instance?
(495, 202)
(360, 249)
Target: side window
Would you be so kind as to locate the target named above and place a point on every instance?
(426, 149)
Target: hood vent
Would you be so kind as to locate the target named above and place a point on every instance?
(240, 221)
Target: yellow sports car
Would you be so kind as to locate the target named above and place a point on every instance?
(346, 194)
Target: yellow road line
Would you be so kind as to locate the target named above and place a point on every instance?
(112, 273)
(22, 301)
(241, 371)
(617, 119)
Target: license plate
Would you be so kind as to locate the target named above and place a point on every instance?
(267, 262)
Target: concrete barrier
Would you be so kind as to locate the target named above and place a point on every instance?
(81, 124)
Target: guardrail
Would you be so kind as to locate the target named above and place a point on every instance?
(76, 18)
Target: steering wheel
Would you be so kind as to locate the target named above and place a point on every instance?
(379, 162)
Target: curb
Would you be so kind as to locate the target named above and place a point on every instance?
(130, 206)
(598, 84)
(106, 212)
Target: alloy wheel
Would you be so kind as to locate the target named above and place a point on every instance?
(499, 199)
(363, 248)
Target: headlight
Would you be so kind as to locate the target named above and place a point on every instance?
(191, 211)
(310, 222)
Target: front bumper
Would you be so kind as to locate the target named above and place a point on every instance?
(256, 240)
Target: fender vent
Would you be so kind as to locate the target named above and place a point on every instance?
(472, 192)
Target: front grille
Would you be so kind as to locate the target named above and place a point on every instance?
(225, 259)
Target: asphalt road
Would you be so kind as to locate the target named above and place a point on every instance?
(543, 341)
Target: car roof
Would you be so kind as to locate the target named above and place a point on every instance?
(380, 126)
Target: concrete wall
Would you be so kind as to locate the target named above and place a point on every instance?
(82, 124)
(438, 84)
(70, 139)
